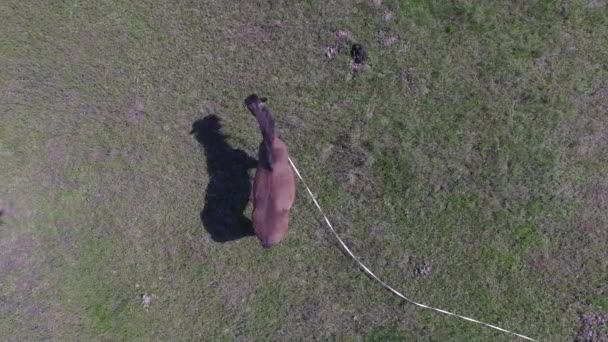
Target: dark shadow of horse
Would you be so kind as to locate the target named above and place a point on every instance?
(229, 186)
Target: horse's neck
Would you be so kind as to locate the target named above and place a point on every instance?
(266, 155)
(273, 153)
(266, 122)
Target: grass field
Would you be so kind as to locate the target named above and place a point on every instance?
(467, 165)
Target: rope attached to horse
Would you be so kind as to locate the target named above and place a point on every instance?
(385, 285)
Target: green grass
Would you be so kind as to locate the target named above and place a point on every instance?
(476, 143)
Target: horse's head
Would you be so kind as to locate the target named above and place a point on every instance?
(254, 103)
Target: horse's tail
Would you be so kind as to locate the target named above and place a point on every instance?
(257, 107)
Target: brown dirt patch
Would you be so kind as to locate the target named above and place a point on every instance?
(309, 311)
(387, 38)
(417, 82)
(196, 249)
(597, 195)
(594, 213)
(28, 294)
(340, 38)
(25, 283)
(422, 267)
(235, 292)
(388, 15)
(585, 137)
(326, 153)
(7, 209)
(55, 151)
(351, 160)
(15, 256)
(100, 156)
(538, 261)
(260, 32)
(596, 4)
(357, 68)
(57, 155)
(34, 310)
(593, 328)
(136, 111)
(544, 65)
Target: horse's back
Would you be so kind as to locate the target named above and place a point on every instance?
(274, 194)
(270, 219)
(283, 179)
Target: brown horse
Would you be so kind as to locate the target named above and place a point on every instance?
(274, 187)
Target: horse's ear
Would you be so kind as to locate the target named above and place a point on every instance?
(263, 99)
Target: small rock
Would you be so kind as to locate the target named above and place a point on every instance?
(342, 36)
(146, 300)
(388, 15)
(332, 51)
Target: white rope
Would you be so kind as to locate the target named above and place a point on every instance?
(385, 285)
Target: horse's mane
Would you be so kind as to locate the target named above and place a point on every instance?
(266, 122)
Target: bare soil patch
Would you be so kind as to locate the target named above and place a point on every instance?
(593, 327)
(136, 111)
